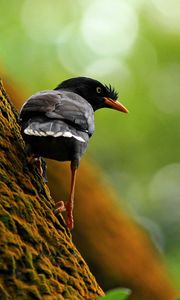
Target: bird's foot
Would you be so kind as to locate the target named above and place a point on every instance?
(40, 164)
(60, 207)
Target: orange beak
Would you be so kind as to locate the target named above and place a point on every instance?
(114, 104)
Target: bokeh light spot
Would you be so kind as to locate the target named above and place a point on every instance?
(110, 26)
(167, 14)
(106, 67)
(165, 188)
(165, 89)
(43, 20)
(73, 54)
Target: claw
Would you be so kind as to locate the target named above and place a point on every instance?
(60, 206)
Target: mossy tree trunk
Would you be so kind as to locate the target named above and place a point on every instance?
(38, 259)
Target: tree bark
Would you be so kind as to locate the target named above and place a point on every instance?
(38, 259)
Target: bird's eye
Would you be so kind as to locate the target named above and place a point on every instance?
(98, 90)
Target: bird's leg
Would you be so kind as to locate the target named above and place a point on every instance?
(32, 158)
(68, 206)
(70, 202)
(37, 160)
(40, 163)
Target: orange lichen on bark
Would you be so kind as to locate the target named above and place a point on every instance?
(38, 259)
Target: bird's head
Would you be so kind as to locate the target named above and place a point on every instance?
(97, 94)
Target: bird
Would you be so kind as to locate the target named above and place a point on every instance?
(58, 123)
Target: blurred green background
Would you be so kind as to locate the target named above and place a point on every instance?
(135, 46)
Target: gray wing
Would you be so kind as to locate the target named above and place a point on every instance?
(59, 105)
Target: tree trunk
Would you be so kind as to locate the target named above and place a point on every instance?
(38, 259)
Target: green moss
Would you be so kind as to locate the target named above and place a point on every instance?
(24, 208)
(29, 276)
(27, 188)
(69, 269)
(2, 232)
(27, 258)
(43, 286)
(7, 220)
(12, 243)
(25, 233)
(43, 269)
(4, 294)
(66, 293)
(27, 293)
(33, 293)
(62, 251)
(62, 278)
(4, 146)
(17, 198)
(7, 264)
(4, 178)
(4, 202)
(42, 230)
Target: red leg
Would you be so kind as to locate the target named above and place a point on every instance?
(70, 202)
(68, 206)
(39, 165)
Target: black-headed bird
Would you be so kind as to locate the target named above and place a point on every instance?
(58, 124)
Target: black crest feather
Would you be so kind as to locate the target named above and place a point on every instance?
(112, 92)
